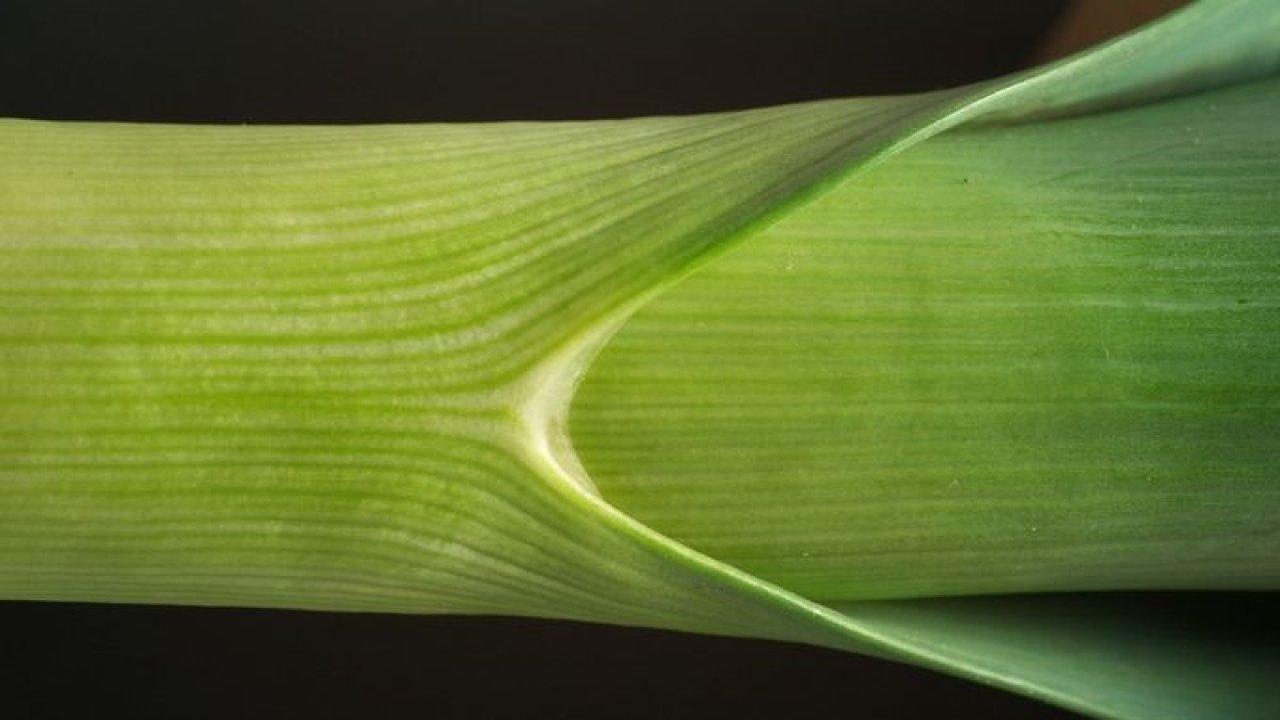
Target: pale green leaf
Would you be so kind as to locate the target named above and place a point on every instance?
(319, 367)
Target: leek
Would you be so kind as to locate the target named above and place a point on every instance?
(853, 373)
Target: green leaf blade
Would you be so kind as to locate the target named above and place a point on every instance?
(1003, 362)
(1106, 655)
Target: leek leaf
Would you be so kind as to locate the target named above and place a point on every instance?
(331, 367)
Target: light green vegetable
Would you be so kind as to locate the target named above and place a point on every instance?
(639, 372)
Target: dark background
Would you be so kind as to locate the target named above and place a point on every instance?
(134, 662)
(420, 60)
(323, 61)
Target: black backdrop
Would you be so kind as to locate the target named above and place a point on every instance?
(378, 61)
(420, 60)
